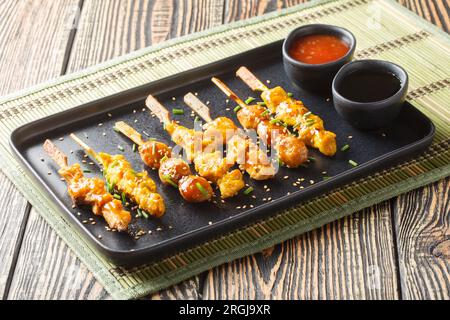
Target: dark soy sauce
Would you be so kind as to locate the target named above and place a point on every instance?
(369, 85)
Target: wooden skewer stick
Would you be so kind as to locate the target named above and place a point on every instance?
(250, 79)
(229, 93)
(198, 106)
(129, 132)
(86, 148)
(158, 109)
(57, 155)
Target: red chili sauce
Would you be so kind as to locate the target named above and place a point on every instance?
(318, 48)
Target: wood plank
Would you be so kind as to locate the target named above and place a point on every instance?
(435, 11)
(333, 262)
(422, 223)
(28, 54)
(351, 258)
(106, 29)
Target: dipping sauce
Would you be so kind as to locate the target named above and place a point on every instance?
(318, 48)
(369, 86)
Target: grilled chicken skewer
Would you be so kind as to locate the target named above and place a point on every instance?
(209, 164)
(89, 191)
(291, 150)
(292, 112)
(240, 149)
(138, 187)
(172, 171)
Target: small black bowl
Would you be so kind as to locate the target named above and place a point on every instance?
(316, 77)
(370, 115)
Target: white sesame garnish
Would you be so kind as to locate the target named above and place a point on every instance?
(100, 124)
(350, 137)
(311, 181)
(210, 222)
(109, 115)
(173, 98)
(286, 177)
(134, 111)
(268, 81)
(104, 134)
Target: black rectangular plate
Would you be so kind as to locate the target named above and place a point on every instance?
(185, 225)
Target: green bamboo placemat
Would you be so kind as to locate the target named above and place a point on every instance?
(398, 35)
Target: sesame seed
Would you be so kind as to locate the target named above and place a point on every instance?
(109, 115)
(84, 222)
(268, 81)
(61, 139)
(311, 181)
(328, 99)
(149, 231)
(99, 236)
(350, 137)
(383, 134)
(227, 109)
(227, 100)
(158, 229)
(210, 222)
(196, 93)
(135, 120)
(268, 189)
(134, 111)
(269, 199)
(286, 177)
(100, 124)
(143, 109)
(238, 207)
(173, 98)
(302, 187)
(324, 172)
(104, 134)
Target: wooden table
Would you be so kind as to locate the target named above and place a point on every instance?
(398, 249)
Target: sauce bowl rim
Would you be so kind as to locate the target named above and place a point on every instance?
(323, 28)
(366, 62)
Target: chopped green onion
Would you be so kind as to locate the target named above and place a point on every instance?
(144, 214)
(309, 123)
(170, 181)
(249, 100)
(86, 171)
(124, 199)
(325, 178)
(353, 163)
(134, 147)
(202, 189)
(248, 191)
(197, 119)
(177, 111)
(345, 148)
(115, 129)
(307, 114)
(116, 196)
(261, 103)
(120, 148)
(280, 162)
(290, 94)
(139, 212)
(312, 159)
(237, 108)
(265, 113)
(163, 159)
(304, 165)
(273, 121)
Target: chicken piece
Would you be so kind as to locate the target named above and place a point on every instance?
(289, 111)
(253, 160)
(311, 130)
(152, 152)
(138, 187)
(274, 97)
(195, 189)
(221, 126)
(231, 183)
(92, 191)
(211, 165)
(268, 130)
(292, 151)
(250, 116)
(172, 170)
(257, 164)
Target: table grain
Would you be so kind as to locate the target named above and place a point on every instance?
(398, 249)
